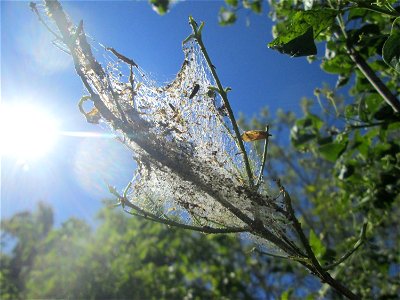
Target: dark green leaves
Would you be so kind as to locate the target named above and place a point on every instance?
(332, 151)
(254, 5)
(307, 133)
(305, 130)
(226, 17)
(296, 35)
(391, 48)
(301, 45)
(233, 3)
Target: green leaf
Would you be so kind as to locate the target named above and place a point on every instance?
(316, 121)
(350, 111)
(346, 171)
(160, 6)
(356, 13)
(286, 294)
(301, 45)
(324, 140)
(316, 245)
(226, 17)
(296, 35)
(391, 48)
(233, 3)
(342, 81)
(256, 7)
(332, 151)
(310, 121)
(337, 65)
(358, 35)
(372, 104)
(384, 112)
(298, 138)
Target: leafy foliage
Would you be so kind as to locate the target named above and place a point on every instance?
(124, 257)
(335, 191)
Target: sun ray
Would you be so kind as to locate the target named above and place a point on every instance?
(26, 131)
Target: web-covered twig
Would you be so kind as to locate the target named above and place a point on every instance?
(188, 164)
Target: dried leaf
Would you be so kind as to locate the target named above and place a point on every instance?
(254, 135)
(93, 116)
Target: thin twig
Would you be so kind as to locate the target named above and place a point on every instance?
(299, 259)
(264, 158)
(350, 252)
(377, 9)
(122, 57)
(62, 24)
(223, 94)
(35, 10)
(204, 229)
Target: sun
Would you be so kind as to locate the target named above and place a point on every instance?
(26, 131)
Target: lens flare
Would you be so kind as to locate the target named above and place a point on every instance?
(26, 131)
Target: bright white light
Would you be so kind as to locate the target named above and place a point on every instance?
(26, 132)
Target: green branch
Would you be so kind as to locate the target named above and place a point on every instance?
(350, 252)
(299, 259)
(375, 81)
(377, 9)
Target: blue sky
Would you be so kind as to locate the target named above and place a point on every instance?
(72, 176)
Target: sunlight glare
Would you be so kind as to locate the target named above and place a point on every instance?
(26, 131)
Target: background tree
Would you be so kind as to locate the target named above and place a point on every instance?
(128, 258)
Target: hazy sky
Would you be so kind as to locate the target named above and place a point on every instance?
(72, 176)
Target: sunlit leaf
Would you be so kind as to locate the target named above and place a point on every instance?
(316, 245)
(296, 37)
(286, 294)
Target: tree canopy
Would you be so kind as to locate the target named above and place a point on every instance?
(126, 258)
